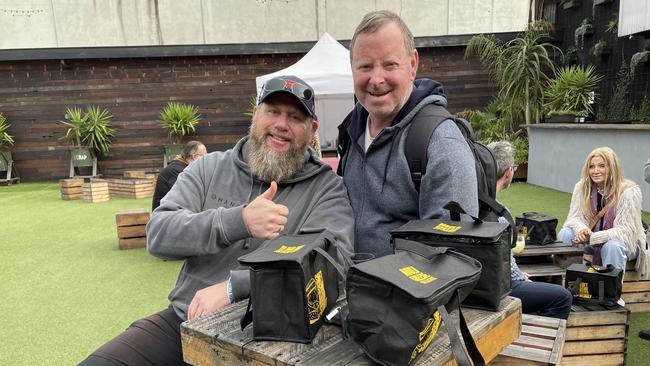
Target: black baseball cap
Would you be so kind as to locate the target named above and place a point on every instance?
(292, 85)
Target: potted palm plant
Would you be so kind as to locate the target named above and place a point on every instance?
(518, 67)
(5, 140)
(179, 119)
(89, 134)
(570, 94)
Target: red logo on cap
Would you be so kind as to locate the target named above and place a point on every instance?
(288, 84)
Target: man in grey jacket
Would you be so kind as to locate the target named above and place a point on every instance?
(375, 170)
(226, 205)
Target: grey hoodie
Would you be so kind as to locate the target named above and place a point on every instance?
(379, 182)
(200, 220)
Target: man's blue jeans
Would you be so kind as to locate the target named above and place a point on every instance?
(542, 298)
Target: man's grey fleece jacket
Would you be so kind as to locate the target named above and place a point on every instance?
(379, 183)
(200, 220)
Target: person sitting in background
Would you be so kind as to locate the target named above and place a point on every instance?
(605, 212)
(167, 177)
(541, 298)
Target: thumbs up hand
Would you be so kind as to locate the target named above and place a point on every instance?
(265, 219)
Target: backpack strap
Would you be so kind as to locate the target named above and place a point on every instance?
(423, 125)
(502, 211)
(471, 351)
(343, 142)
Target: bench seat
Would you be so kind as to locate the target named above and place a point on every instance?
(546, 272)
(541, 343)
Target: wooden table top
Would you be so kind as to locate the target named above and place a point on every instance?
(554, 248)
(216, 339)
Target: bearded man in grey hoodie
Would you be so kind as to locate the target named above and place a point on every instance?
(375, 170)
(226, 205)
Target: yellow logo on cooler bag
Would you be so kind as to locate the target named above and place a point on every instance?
(288, 250)
(446, 228)
(316, 297)
(416, 275)
(426, 335)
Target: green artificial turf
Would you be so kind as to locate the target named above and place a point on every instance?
(68, 289)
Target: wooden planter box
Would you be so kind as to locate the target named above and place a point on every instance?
(71, 189)
(132, 187)
(636, 292)
(134, 174)
(131, 228)
(564, 118)
(95, 190)
(596, 335)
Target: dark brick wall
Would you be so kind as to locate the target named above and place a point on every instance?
(620, 49)
(34, 95)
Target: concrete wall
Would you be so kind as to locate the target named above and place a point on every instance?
(557, 153)
(99, 23)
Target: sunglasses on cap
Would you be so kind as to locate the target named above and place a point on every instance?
(294, 87)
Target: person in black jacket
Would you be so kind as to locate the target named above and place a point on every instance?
(167, 177)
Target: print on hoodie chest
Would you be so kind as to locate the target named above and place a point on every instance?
(219, 201)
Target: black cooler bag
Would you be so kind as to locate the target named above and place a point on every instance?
(594, 284)
(396, 302)
(294, 283)
(539, 228)
(488, 242)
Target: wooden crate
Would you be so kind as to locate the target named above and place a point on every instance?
(131, 228)
(596, 335)
(134, 174)
(636, 292)
(131, 188)
(548, 263)
(71, 189)
(541, 343)
(153, 178)
(95, 190)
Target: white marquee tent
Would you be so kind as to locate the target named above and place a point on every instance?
(326, 67)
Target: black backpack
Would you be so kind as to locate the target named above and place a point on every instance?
(423, 125)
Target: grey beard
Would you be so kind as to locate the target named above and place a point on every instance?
(269, 165)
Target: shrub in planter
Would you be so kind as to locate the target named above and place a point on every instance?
(600, 49)
(91, 130)
(569, 92)
(5, 138)
(179, 119)
(579, 34)
(619, 107)
(518, 67)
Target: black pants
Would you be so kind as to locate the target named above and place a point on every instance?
(154, 340)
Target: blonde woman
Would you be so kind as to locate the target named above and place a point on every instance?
(605, 212)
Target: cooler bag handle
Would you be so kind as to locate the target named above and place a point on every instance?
(455, 209)
(332, 261)
(460, 354)
(418, 248)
